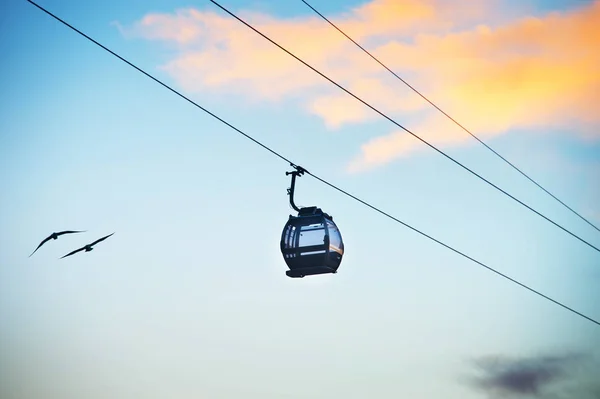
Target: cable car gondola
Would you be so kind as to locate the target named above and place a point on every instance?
(311, 243)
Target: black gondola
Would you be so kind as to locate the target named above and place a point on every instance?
(311, 243)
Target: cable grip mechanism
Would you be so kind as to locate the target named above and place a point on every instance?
(298, 172)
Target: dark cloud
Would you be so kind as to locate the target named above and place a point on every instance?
(525, 377)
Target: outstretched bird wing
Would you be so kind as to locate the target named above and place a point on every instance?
(73, 252)
(101, 239)
(41, 243)
(58, 234)
(70, 231)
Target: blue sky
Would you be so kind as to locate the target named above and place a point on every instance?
(189, 298)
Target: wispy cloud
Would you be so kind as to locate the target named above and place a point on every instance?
(527, 72)
(551, 376)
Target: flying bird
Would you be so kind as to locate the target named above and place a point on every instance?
(54, 236)
(87, 247)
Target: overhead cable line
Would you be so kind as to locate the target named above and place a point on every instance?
(403, 128)
(315, 176)
(451, 118)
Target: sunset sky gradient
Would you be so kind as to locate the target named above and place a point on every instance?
(189, 298)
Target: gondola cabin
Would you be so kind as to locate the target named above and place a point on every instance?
(311, 243)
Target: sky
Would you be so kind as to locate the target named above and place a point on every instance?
(189, 297)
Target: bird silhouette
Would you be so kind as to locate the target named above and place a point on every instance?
(54, 236)
(87, 247)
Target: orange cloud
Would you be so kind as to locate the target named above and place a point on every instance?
(529, 72)
(385, 149)
(533, 73)
(341, 108)
(219, 52)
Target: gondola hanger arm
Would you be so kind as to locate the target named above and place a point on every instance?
(298, 172)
